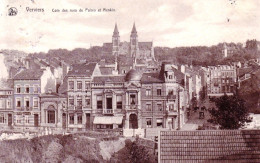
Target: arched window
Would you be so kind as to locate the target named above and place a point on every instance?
(51, 116)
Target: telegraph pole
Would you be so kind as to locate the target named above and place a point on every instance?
(179, 120)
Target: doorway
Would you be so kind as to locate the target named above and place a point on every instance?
(133, 122)
(10, 119)
(36, 120)
(87, 120)
(64, 120)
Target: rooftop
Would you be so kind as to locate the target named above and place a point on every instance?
(84, 69)
(210, 146)
(29, 74)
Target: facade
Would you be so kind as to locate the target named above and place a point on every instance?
(79, 95)
(6, 107)
(28, 85)
(107, 102)
(53, 111)
(222, 79)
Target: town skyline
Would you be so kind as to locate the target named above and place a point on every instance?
(168, 23)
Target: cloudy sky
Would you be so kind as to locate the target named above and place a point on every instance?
(167, 22)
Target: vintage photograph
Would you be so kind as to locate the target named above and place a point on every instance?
(129, 81)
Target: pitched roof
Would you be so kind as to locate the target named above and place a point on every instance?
(179, 75)
(109, 79)
(85, 69)
(64, 86)
(151, 78)
(28, 74)
(243, 71)
(145, 45)
(209, 146)
(106, 70)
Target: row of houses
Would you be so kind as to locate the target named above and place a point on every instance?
(88, 99)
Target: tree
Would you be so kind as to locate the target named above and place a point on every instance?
(231, 112)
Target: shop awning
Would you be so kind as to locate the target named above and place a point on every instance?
(108, 120)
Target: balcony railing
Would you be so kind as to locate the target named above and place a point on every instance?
(108, 111)
(131, 107)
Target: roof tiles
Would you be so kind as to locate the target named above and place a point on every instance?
(210, 146)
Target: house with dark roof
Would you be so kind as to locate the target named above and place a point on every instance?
(78, 92)
(28, 85)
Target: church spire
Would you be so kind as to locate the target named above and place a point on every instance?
(134, 32)
(115, 33)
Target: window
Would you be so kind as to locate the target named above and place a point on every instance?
(79, 101)
(79, 85)
(27, 102)
(223, 81)
(79, 118)
(148, 122)
(1, 103)
(109, 102)
(18, 102)
(71, 85)
(87, 101)
(170, 76)
(159, 107)
(148, 107)
(71, 118)
(119, 102)
(148, 92)
(159, 92)
(99, 102)
(87, 85)
(18, 89)
(132, 99)
(71, 101)
(35, 102)
(35, 89)
(26, 119)
(8, 103)
(18, 119)
(159, 122)
(171, 107)
(27, 89)
(51, 116)
(2, 118)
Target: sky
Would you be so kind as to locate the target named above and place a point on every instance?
(170, 23)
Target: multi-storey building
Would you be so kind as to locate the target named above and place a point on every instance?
(108, 102)
(28, 85)
(79, 93)
(222, 79)
(6, 107)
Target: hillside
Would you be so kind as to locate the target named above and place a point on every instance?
(86, 147)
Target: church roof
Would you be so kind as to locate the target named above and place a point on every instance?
(145, 45)
(115, 33)
(134, 32)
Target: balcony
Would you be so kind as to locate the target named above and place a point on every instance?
(171, 97)
(132, 107)
(108, 111)
(78, 107)
(172, 112)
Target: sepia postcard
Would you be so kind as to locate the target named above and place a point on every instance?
(129, 81)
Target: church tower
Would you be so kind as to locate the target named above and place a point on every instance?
(134, 42)
(115, 41)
